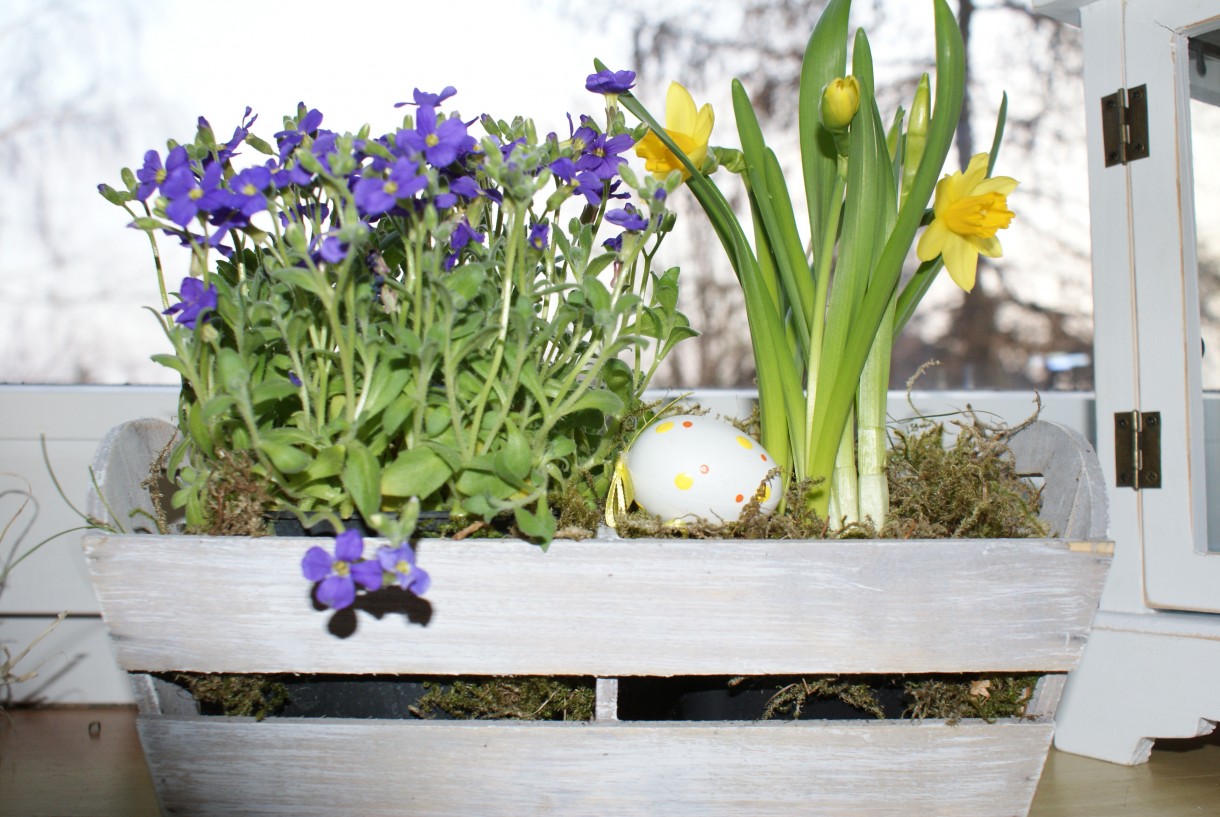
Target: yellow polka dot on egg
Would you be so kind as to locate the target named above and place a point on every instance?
(684, 482)
(745, 442)
(663, 427)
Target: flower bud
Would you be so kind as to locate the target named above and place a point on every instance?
(840, 101)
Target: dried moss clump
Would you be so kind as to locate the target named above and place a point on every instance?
(969, 489)
(249, 696)
(953, 698)
(858, 692)
(532, 698)
(238, 500)
(946, 697)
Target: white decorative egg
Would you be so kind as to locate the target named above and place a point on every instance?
(691, 466)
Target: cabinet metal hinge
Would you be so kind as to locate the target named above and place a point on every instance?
(1124, 125)
(1137, 449)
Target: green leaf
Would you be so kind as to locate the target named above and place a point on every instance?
(234, 374)
(285, 458)
(416, 472)
(303, 279)
(825, 59)
(538, 524)
(362, 479)
(475, 483)
(198, 430)
(464, 284)
(514, 459)
(217, 406)
(327, 463)
(603, 400)
(619, 378)
(270, 390)
(172, 362)
(397, 414)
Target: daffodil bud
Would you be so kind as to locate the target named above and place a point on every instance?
(840, 101)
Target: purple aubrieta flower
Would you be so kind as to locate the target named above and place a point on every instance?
(196, 300)
(614, 242)
(338, 575)
(424, 99)
(601, 154)
(400, 561)
(229, 149)
(540, 232)
(332, 250)
(376, 195)
(466, 187)
(249, 188)
(610, 82)
(153, 173)
(463, 234)
(582, 137)
(563, 168)
(627, 217)
(308, 122)
(441, 141)
(188, 196)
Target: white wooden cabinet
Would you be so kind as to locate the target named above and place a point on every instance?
(1152, 668)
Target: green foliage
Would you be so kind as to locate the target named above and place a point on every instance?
(479, 378)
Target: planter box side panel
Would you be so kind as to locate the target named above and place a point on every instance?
(878, 769)
(608, 608)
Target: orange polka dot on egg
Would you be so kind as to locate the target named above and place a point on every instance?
(687, 424)
(740, 498)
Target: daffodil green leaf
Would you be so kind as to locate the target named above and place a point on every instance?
(825, 59)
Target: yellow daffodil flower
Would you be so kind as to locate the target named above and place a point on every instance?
(969, 208)
(689, 128)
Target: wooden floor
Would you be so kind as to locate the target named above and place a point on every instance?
(88, 763)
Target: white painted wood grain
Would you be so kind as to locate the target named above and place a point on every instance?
(227, 766)
(610, 608)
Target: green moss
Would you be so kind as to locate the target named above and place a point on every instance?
(858, 692)
(252, 696)
(238, 500)
(953, 697)
(969, 489)
(946, 697)
(526, 698)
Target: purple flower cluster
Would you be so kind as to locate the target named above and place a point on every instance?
(432, 162)
(340, 575)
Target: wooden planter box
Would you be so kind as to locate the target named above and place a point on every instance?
(605, 609)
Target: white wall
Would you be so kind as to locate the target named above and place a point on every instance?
(74, 662)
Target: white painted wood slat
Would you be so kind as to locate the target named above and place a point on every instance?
(609, 608)
(225, 766)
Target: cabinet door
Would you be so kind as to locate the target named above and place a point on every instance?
(1160, 328)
